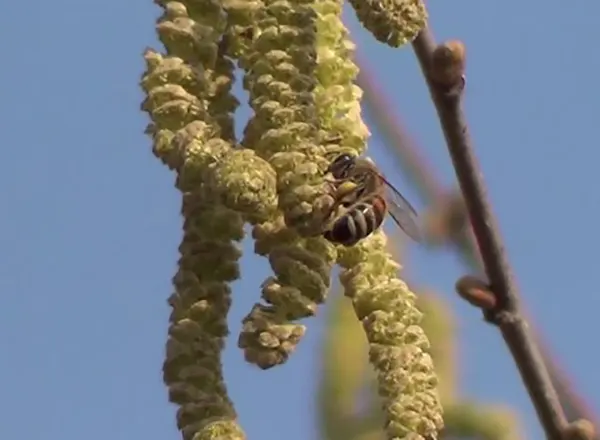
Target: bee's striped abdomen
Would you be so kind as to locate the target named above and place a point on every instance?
(358, 223)
(343, 231)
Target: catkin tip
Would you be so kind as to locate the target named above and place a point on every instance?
(265, 338)
(394, 22)
(398, 346)
(221, 430)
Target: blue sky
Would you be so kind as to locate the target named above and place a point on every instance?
(90, 220)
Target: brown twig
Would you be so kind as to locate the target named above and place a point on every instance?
(431, 191)
(446, 92)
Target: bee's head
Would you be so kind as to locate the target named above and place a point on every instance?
(342, 165)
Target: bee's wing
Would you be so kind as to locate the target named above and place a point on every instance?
(402, 211)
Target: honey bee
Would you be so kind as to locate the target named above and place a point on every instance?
(364, 197)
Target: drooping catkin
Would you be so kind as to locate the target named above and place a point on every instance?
(274, 43)
(299, 73)
(398, 346)
(190, 104)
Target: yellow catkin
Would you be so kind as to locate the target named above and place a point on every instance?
(300, 77)
(278, 55)
(274, 43)
(394, 22)
(398, 346)
(190, 104)
(383, 303)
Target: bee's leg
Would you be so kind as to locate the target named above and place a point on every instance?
(343, 197)
(343, 194)
(338, 181)
(341, 188)
(331, 211)
(345, 206)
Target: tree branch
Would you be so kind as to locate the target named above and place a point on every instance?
(440, 66)
(431, 191)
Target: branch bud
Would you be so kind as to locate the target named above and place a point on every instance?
(448, 64)
(476, 292)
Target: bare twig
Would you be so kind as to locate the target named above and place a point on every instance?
(446, 93)
(431, 192)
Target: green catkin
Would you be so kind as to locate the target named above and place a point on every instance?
(279, 60)
(393, 22)
(481, 421)
(398, 346)
(300, 76)
(190, 104)
(274, 43)
(412, 408)
(302, 270)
